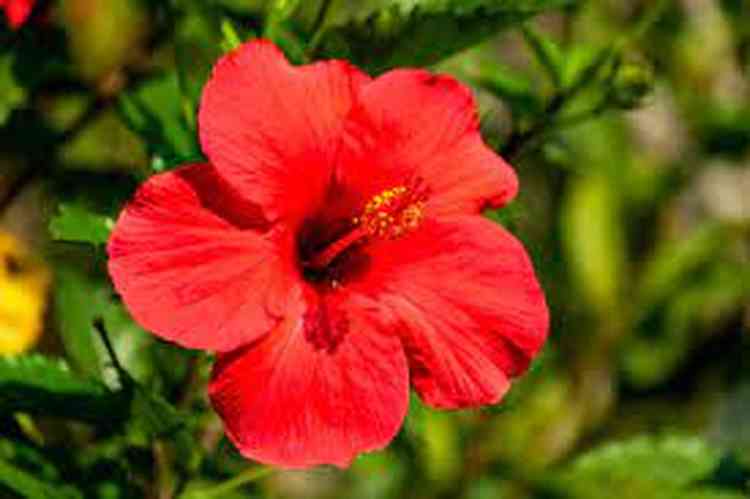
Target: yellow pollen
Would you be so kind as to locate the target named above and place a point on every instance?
(391, 214)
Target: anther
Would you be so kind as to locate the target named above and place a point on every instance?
(391, 213)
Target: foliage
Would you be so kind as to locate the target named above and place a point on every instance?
(38, 385)
(420, 32)
(628, 125)
(670, 467)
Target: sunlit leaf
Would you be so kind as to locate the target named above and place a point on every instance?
(45, 386)
(155, 112)
(79, 298)
(669, 467)
(88, 206)
(74, 222)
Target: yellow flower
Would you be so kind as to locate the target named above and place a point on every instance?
(23, 291)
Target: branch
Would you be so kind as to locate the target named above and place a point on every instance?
(122, 375)
(30, 174)
(519, 140)
(17, 187)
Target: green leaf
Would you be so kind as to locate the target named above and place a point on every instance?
(92, 48)
(730, 427)
(243, 6)
(74, 222)
(585, 66)
(79, 297)
(674, 261)
(104, 145)
(46, 386)
(594, 239)
(548, 54)
(231, 38)
(84, 294)
(156, 112)
(670, 467)
(512, 87)
(283, 9)
(440, 449)
(422, 32)
(12, 95)
(198, 45)
(88, 206)
(30, 458)
(710, 493)
(284, 30)
(698, 308)
(378, 474)
(673, 461)
(152, 415)
(28, 485)
(135, 347)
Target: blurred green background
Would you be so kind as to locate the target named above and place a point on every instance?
(628, 122)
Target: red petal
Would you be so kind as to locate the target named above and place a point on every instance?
(272, 129)
(463, 294)
(190, 270)
(294, 401)
(413, 125)
(18, 11)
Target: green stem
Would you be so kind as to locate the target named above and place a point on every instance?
(318, 28)
(608, 59)
(17, 187)
(537, 44)
(518, 141)
(122, 374)
(250, 475)
(647, 21)
(582, 116)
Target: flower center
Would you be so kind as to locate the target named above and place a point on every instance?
(387, 215)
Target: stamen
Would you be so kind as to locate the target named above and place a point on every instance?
(392, 213)
(388, 215)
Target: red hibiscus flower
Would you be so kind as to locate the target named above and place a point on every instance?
(332, 252)
(17, 11)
